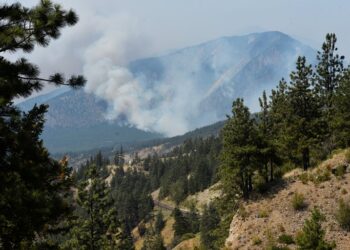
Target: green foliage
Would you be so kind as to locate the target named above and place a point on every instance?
(210, 220)
(187, 169)
(312, 235)
(239, 152)
(256, 241)
(242, 212)
(304, 177)
(286, 239)
(181, 225)
(263, 213)
(95, 220)
(343, 214)
(34, 187)
(159, 222)
(298, 201)
(321, 175)
(153, 242)
(340, 171)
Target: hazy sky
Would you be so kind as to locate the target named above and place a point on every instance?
(168, 25)
(112, 33)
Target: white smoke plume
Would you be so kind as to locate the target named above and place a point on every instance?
(110, 79)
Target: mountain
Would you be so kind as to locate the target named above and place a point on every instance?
(218, 71)
(227, 68)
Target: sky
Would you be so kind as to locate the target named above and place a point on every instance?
(164, 25)
(110, 34)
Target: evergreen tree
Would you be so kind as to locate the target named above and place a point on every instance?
(305, 111)
(159, 222)
(312, 235)
(341, 121)
(33, 186)
(95, 220)
(181, 225)
(210, 220)
(280, 113)
(193, 219)
(329, 72)
(238, 152)
(267, 147)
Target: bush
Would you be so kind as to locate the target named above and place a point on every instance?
(260, 185)
(298, 201)
(286, 239)
(304, 178)
(340, 171)
(321, 175)
(263, 213)
(141, 228)
(343, 215)
(256, 241)
(242, 212)
(312, 235)
(347, 156)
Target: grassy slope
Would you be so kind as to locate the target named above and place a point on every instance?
(271, 216)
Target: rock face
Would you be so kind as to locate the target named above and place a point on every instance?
(267, 218)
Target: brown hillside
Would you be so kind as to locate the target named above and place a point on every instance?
(262, 221)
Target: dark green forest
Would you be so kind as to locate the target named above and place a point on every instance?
(44, 204)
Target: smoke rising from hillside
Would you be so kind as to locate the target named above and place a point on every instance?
(164, 108)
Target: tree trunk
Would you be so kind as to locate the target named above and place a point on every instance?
(271, 170)
(306, 158)
(266, 172)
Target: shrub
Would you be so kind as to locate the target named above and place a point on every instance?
(304, 178)
(298, 201)
(141, 228)
(347, 156)
(312, 235)
(286, 239)
(340, 171)
(343, 215)
(263, 213)
(256, 241)
(260, 184)
(321, 175)
(242, 212)
(343, 191)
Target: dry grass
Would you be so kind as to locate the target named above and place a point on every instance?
(188, 244)
(283, 219)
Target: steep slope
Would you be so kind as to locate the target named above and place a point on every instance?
(260, 223)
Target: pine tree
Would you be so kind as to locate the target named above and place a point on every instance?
(341, 121)
(210, 220)
(159, 222)
(95, 221)
(267, 147)
(239, 152)
(329, 72)
(181, 225)
(32, 185)
(305, 111)
(312, 235)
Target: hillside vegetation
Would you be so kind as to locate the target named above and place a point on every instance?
(264, 221)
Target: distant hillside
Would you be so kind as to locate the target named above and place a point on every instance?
(218, 70)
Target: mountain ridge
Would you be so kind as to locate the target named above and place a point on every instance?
(216, 71)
